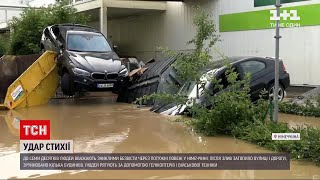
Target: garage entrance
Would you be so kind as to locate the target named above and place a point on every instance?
(133, 26)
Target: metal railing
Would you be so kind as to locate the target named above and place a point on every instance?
(80, 1)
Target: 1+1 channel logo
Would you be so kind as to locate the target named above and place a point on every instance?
(289, 18)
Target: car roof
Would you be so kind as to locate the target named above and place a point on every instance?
(240, 58)
(236, 59)
(82, 32)
(64, 28)
(232, 60)
(75, 27)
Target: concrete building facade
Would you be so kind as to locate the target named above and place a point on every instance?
(9, 9)
(140, 27)
(13, 8)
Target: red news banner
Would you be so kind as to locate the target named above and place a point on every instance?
(35, 130)
(35, 138)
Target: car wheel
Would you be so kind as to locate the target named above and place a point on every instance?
(271, 92)
(67, 85)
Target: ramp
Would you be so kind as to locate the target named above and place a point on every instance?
(36, 85)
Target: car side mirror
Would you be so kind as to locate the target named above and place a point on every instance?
(115, 48)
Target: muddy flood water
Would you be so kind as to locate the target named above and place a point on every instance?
(99, 125)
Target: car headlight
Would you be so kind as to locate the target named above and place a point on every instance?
(124, 72)
(81, 72)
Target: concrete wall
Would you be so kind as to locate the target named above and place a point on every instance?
(95, 24)
(7, 13)
(14, 2)
(11, 67)
(141, 35)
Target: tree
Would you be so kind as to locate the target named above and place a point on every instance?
(4, 42)
(190, 64)
(26, 31)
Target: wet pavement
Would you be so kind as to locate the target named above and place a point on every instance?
(99, 125)
(294, 120)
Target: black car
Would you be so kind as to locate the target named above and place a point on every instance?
(86, 59)
(262, 72)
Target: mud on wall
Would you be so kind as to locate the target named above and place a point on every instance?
(11, 67)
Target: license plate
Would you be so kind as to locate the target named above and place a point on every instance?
(110, 85)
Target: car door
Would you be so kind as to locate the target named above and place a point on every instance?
(221, 75)
(257, 69)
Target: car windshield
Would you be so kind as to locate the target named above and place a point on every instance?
(187, 88)
(87, 42)
(212, 67)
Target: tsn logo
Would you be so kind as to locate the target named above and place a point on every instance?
(35, 130)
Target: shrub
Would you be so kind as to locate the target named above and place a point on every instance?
(4, 43)
(260, 133)
(233, 113)
(27, 30)
(163, 98)
(230, 108)
(310, 108)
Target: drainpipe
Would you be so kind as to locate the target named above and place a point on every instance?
(276, 89)
(6, 15)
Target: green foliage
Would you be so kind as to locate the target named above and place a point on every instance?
(27, 30)
(230, 107)
(206, 31)
(4, 43)
(165, 98)
(310, 108)
(260, 133)
(232, 112)
(190, 64)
